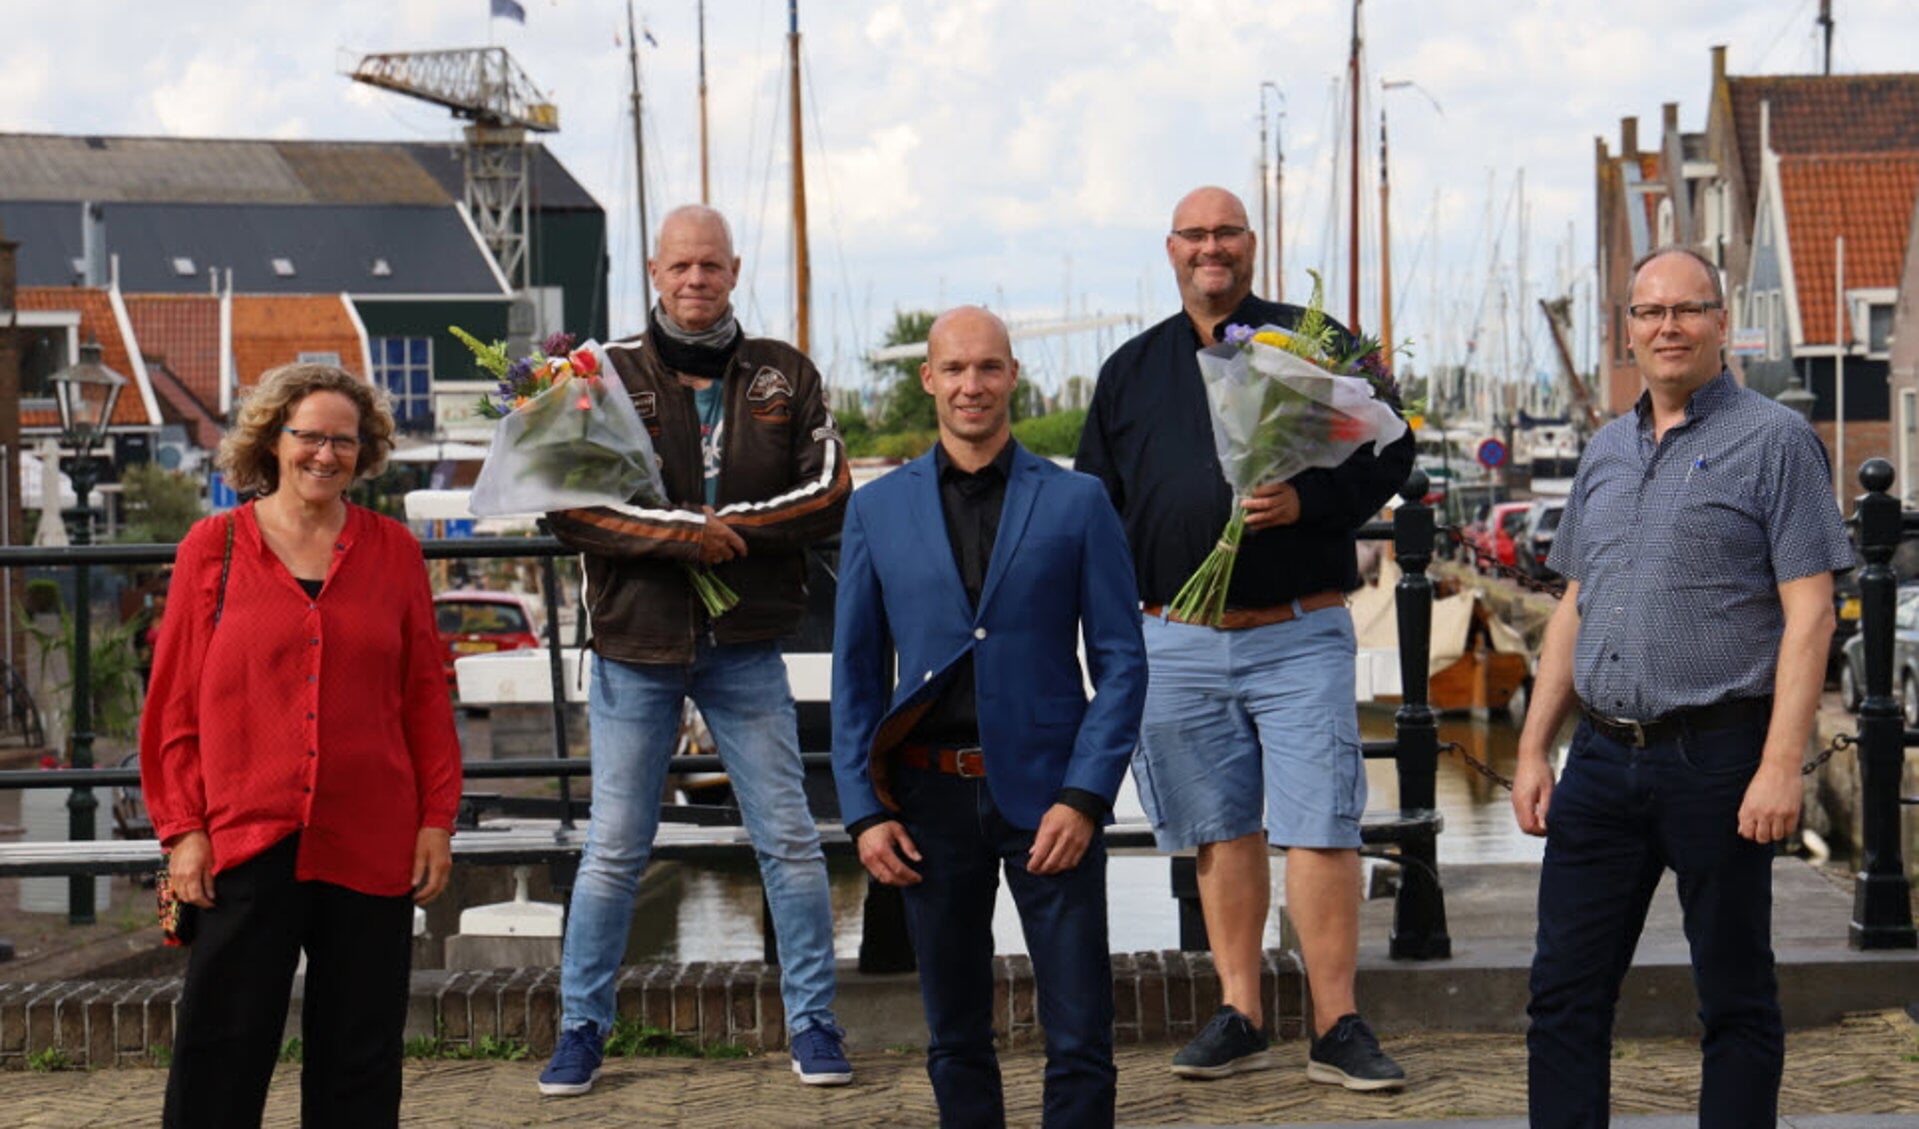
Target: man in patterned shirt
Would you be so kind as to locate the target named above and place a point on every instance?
(1699, 545)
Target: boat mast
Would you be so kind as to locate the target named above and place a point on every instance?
(802, 266)
(1385, 249)
(639, 159)
(1352, 259)
(706, 188)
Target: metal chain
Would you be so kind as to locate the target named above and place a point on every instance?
(1486, 563)
(1841, 741)
(1477, 765)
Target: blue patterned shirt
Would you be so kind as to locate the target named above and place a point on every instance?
(1679, 547)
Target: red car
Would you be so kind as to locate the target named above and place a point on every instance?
(474, 622)
(1494, 539)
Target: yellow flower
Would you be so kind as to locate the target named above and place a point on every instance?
(1277, 338)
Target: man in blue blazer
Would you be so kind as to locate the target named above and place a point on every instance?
(981, 566)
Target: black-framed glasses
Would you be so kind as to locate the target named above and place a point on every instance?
(1222, 233)
(1652, 313)
(344, 446)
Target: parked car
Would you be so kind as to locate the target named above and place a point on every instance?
(1905, 659)
(1494, 540)
(1534, 543)
(475, 622)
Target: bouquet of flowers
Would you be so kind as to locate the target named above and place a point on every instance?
(568, 439)
(1284, 401)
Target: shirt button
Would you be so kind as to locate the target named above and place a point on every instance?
(979, 633)
(1615, 658)
(309, 678)
(313, 752)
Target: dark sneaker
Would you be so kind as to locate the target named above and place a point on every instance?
(818, 1058)
(1349, 1056)
(1230, 1044)
(575, 1063)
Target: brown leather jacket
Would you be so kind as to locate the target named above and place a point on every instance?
(783, 485)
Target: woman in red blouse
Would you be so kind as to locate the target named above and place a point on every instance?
(299, 761)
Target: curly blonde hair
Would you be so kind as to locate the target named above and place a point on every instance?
(247, 456)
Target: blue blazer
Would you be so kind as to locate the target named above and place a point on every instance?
(1060, 568)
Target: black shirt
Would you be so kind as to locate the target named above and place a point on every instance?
(1149, 438)
(971, 504)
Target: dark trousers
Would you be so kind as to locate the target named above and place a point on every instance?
(233, 1009)
(964, 842)
(1619, 817)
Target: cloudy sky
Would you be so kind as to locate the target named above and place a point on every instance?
(1021, 154)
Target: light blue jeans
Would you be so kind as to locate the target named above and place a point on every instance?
(635, 711)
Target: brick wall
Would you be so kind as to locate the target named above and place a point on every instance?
(1158, 997)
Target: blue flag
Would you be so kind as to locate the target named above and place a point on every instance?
(509, 10)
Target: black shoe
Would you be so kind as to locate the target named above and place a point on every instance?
(1349, 1056)
(1230, 1044)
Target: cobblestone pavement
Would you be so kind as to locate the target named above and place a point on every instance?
(1868, 1064)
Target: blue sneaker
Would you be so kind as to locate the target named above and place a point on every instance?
(818, 1058)
(576, 1061)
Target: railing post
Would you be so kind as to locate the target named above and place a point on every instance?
(81, 804)
(1419, 912)
(550, 589)
(1881, 894)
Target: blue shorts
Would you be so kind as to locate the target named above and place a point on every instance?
(1240, 720)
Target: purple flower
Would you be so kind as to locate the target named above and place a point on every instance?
(1238, 334)
(519, 371)
(557, 345)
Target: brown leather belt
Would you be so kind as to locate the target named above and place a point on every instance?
(952, 760)
(1639, 734)
(1238, 619)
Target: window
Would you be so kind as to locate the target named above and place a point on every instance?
(283, 268)
(404, 367)
(183, 266)
(43, 352)
(380, 268)
(1878, 327)
(319, 359)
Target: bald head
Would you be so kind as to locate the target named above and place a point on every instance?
(693, 267)
(970, 373)
(1211, 249)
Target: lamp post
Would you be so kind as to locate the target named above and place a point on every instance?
(85, 393)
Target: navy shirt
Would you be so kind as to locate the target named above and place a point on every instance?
(1149, 438)
(1680, 545)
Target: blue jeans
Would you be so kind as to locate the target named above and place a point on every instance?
(635, 712)
(1619, 817)
(963, 842)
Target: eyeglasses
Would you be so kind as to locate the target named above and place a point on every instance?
(1222, 233)
(345, 446)
(1652, 313)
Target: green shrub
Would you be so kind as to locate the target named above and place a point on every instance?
(43, 597)
(632, 1039)
(49, 1059)
(905, 444)
(1054, 435)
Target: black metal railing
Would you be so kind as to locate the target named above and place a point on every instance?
(1419, 922)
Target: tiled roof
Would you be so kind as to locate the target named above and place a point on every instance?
(178, 405)
(1868, 198)
(271, 330)
(96, 321)
(1824, 114)
(197, 170)
(183, 330)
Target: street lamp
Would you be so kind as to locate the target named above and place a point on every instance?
(1796, 397)
(85, 394)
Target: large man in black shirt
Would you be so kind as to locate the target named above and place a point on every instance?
(1257, 713)
(980, 565)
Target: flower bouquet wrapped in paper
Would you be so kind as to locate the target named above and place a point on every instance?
(1283, 401)
(568, 439)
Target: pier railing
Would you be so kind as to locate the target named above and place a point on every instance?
(1882, 916)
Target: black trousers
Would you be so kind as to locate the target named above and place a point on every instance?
(233, 1010)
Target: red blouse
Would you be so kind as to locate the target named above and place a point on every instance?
(328, 716)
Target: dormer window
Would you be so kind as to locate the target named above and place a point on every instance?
(283, 268)
(380, 268)
(183, 266)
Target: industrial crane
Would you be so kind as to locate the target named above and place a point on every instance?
(486, 87)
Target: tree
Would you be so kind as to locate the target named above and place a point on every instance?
(905, 406)
(161, 505)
